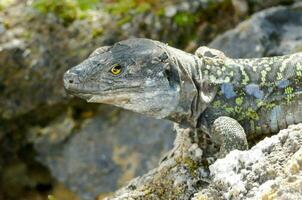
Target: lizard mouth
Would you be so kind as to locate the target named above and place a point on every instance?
(74, 86)
(108, 96)
(96, 89)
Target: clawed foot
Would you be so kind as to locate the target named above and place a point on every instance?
(226, 132)
(171, 153)
(184, 141)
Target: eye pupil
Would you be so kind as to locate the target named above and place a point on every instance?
(116, 69)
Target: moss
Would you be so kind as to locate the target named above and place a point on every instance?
(50, 197)
(160, 12)
(184, 19)
(66, 10)
(87, 4)
(130, 8)
(163, 187)
(124, 20)
(97, 32)
(191, 165)
(166, 190)
(127, 9)
(5, 3)
(120, 7)
(143, 7)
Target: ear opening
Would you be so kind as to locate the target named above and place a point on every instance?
(168, 75)
(172, 74)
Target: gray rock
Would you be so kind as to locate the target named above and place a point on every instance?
(34, 53)
(105, 152)
(276, 31)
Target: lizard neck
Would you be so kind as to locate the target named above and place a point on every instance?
(195, 90)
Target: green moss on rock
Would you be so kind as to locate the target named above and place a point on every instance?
(185, 19)
(5, 3)
(67, 10)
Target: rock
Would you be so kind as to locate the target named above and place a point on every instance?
(105, 152)
(259, 4)
(276, 31)
(271, 169)
(240, 7)
(34, 53)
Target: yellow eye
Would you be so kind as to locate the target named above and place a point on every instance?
(116, 69)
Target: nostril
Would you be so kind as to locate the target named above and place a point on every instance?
(71, 78)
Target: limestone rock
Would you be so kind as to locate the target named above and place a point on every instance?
(270, 170)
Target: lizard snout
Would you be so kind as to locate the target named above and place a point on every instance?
(71, 79)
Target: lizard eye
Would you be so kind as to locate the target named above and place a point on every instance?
(116, 69)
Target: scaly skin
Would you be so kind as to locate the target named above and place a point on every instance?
(262, 94)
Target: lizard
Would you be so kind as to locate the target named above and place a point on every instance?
(231, 100)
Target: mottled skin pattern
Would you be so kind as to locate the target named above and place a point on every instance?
(152, 78)
(262, 94)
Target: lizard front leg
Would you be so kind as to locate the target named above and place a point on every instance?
(184, 142)
(229, 134)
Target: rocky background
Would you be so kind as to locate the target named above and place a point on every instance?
(53, 144)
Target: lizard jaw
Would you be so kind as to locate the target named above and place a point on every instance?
(121, 99)
(136, 101)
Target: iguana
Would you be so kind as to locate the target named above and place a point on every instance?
(224, 97)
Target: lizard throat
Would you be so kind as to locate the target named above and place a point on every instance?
(195, 92)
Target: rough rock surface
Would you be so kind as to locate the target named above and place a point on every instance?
(105, 152)
(276, 31)
(270, 170)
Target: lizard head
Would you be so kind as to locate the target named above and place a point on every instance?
(134, 74)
